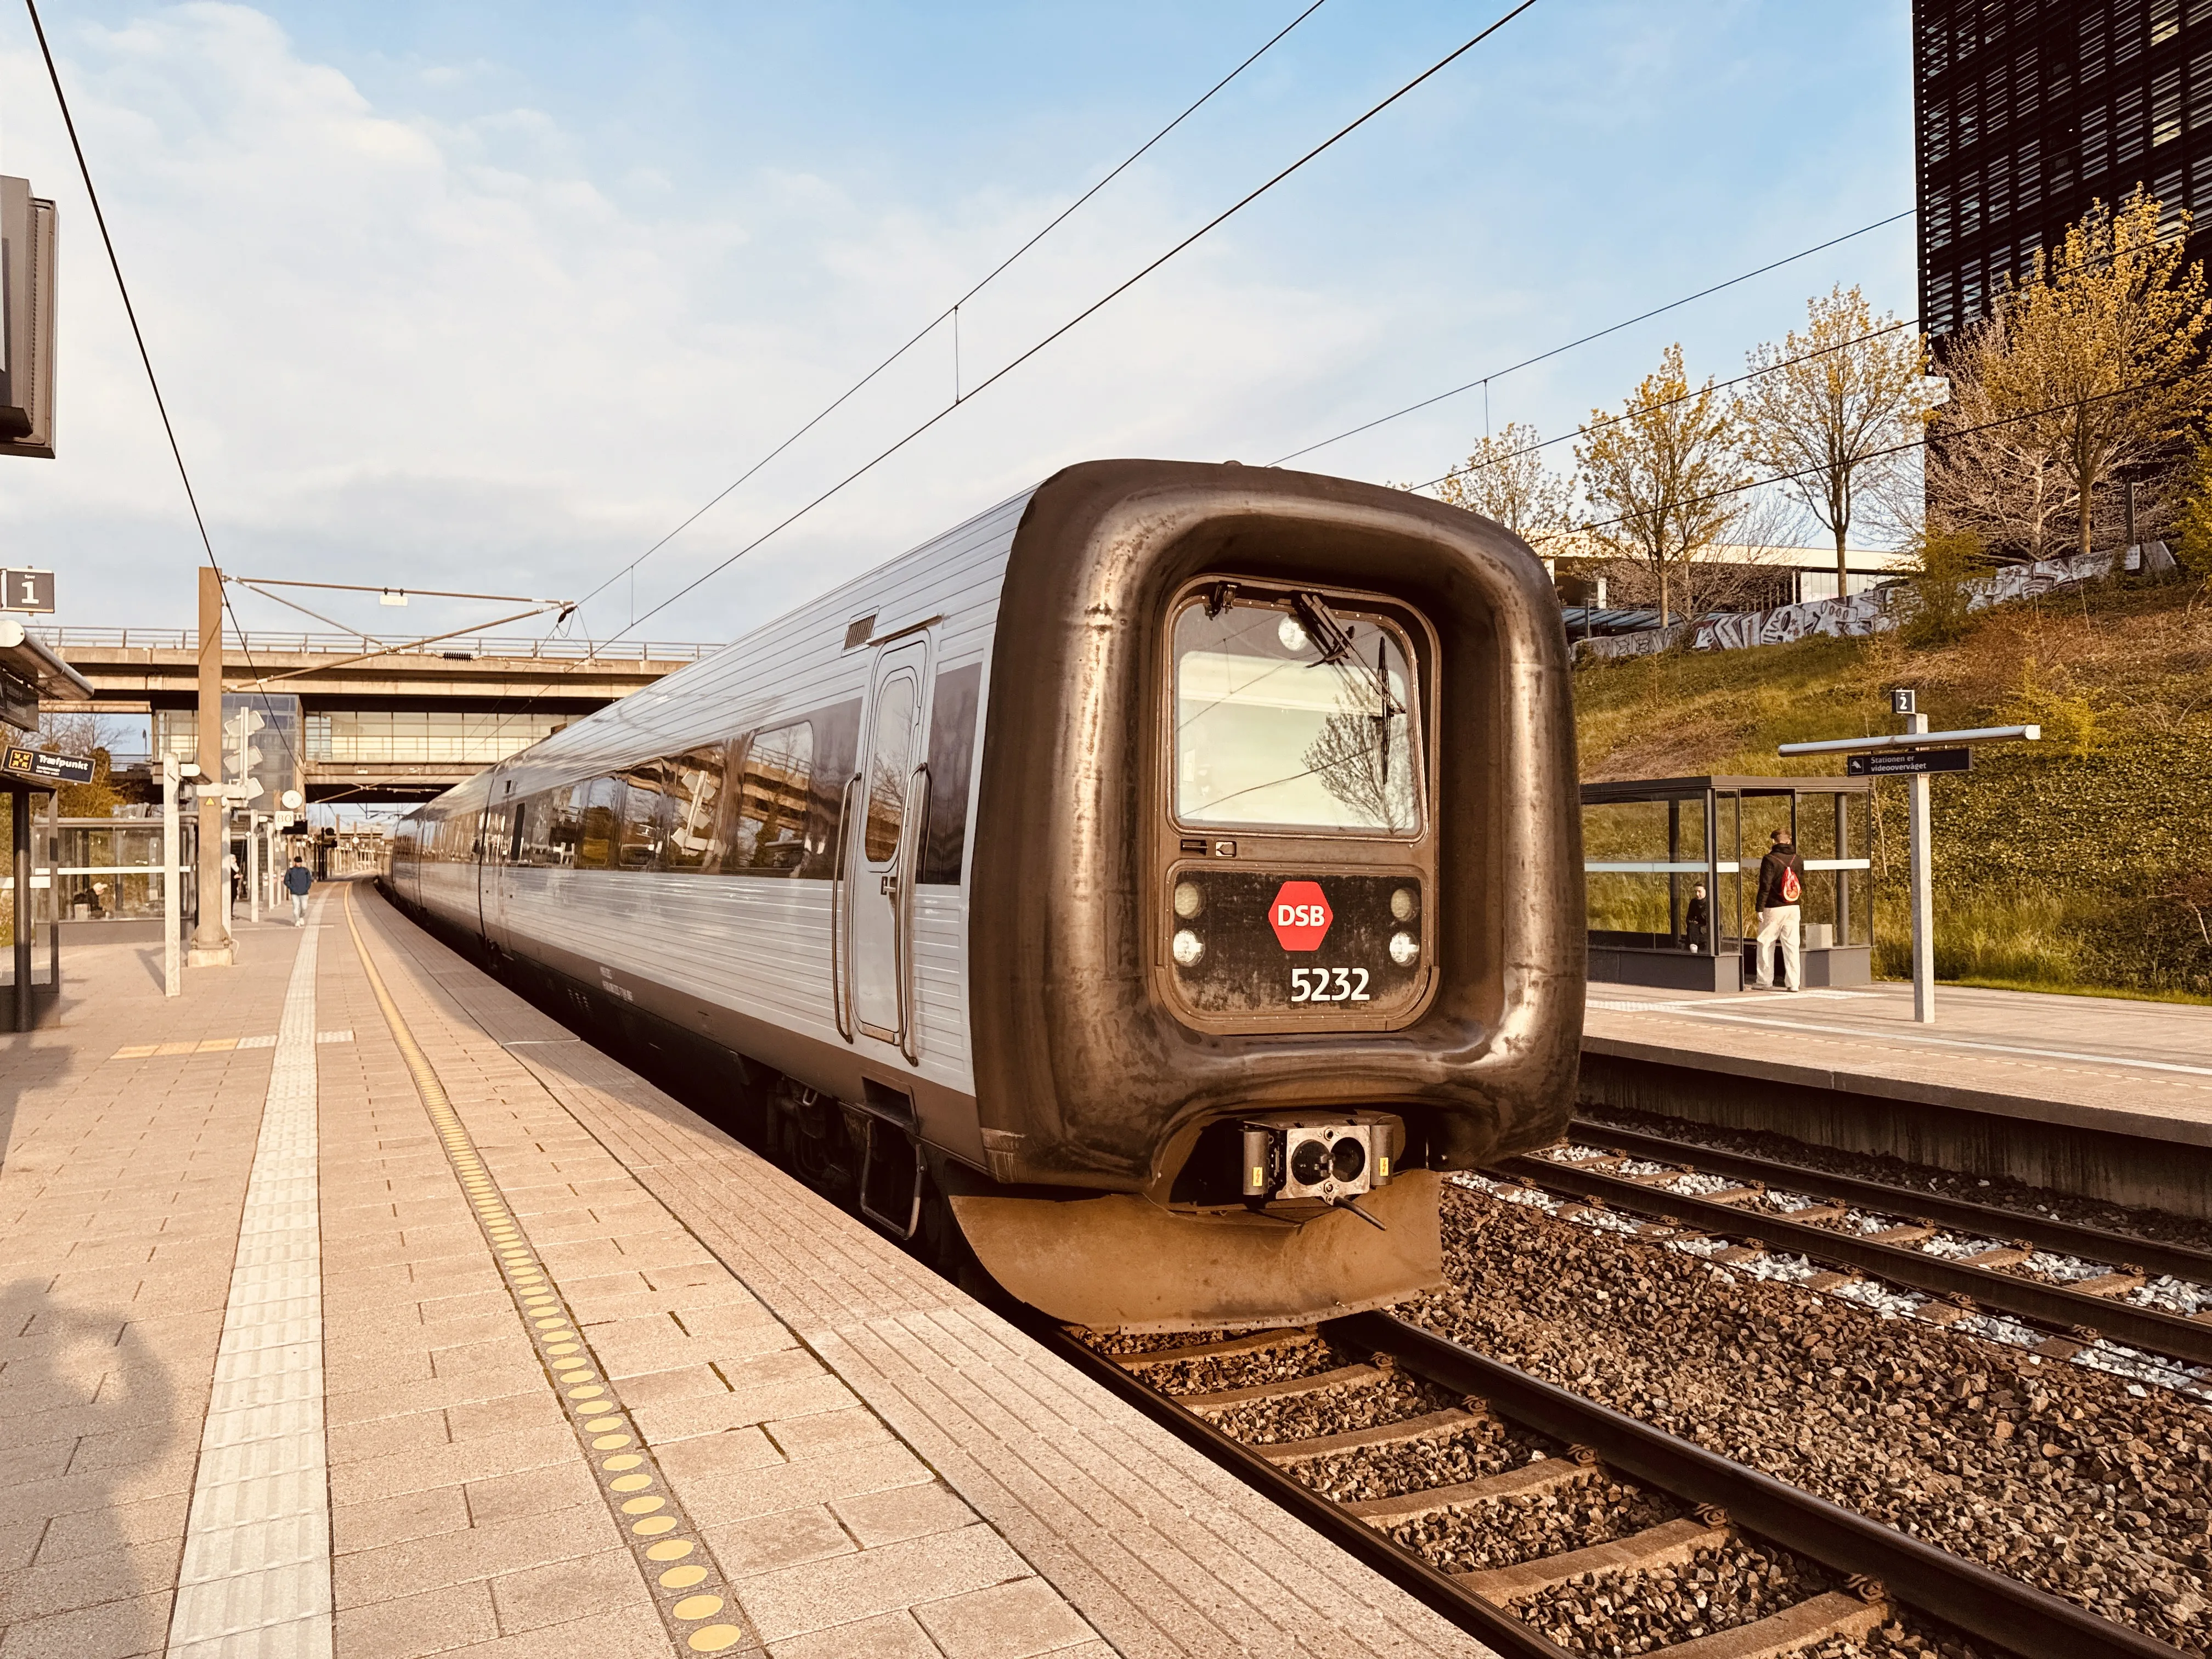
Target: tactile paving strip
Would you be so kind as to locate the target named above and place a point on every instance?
(688, 1587)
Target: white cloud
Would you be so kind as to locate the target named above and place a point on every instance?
(440, 353)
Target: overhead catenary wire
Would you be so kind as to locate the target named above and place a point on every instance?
(1763, 369)
(952, 311)
(1600, 334)
(146, 358)
(1091, 310)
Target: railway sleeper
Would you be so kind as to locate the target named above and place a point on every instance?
(1253, 1342)
(1666, 1544)
(1344, 1376)
(1544, 1474)
(1404, 1433)
(1822, 1618)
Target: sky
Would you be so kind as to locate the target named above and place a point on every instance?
(494, 296)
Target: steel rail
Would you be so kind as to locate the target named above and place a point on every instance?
(2045, 1232)
(1364, 1543)
(1963, 1594)
(2046, 1305)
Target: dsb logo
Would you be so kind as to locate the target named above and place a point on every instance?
(1300, 915)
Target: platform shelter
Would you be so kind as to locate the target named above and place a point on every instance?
(1649, 844)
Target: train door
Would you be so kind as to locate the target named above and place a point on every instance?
(885, 831)
(495, 866)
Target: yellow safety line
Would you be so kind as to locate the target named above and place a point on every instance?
(687, 1586)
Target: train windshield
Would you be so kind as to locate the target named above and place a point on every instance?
(1294, 715)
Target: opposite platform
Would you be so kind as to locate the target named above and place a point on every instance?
(570, 1370)
(2105, 1096)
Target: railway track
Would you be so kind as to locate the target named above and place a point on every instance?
(1964, 1257)
(1438, 1449)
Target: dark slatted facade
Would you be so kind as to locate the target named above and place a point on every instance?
(2029, 109)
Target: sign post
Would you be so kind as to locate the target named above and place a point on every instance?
(1914, 754)
(173, 897)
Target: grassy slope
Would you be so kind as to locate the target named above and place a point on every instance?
(2060, 867)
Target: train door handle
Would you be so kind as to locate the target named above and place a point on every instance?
(889, 885)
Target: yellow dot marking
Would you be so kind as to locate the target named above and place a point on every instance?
(610, 1441)
(651, 1524)
(713, 1638)
(601, 1424)
(672, 1549)
(630, 1482)
(678, 1577)
(587, 1393)
(642, 1505)
(622, 1461)
(697, 1606)
(562, 1347)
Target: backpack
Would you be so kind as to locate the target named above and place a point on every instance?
(1792, 888)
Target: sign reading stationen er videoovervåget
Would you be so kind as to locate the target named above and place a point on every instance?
(1907, 762)
(45, 767)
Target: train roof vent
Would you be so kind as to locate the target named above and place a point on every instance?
(859, 630)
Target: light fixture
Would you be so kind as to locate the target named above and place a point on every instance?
(1189, 900)
(1292, 634)
(1405, 904)
(1187, 947)
(1405, 950)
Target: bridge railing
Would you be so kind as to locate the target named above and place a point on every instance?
(277, 642)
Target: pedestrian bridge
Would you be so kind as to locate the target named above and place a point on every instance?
(380, 720)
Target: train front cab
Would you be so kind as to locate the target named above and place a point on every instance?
(1275, 900)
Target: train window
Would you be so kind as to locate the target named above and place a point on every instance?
(952, 762)
(774, 781)
(890, 762)
(695, 798)
(551, 827)
(598, 808)
(1280, 725)
(638, 817)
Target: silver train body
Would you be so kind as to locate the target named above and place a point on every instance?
(1162, 879)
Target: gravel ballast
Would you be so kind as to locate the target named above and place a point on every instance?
(2057, 1474)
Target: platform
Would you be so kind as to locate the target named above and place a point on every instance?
(2104, 1097)
(327, 1331)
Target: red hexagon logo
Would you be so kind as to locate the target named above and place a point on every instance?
(1300, 915)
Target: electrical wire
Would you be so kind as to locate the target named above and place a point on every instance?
(1544, 356)
(952, 311)
(1096, 306)
(154, 382)
(1896, 449)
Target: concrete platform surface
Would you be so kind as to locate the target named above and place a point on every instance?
(327, 1332)
(2127, 1067)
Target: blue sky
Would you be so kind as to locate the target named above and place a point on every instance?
(493, 296)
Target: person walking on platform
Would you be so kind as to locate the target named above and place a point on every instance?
(297, 881)
(1781, 885)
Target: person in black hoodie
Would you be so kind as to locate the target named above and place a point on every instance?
(1781, 886)
(1697, 919)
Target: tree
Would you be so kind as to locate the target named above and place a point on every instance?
(1664, 478)
(1505, 479)
(1991, 476)
(2103, 347)
(1830, 409)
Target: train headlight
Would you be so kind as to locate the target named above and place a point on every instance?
(1292, 633)
(1405, 904)
(1405, 950)
(1188, 900)
(1187, 947)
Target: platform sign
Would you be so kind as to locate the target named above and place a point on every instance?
(47, 768)
(1908, 763)
(27, 591)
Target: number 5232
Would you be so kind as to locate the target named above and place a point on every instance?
(1328, 985)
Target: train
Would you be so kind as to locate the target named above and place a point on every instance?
(1146, 893)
